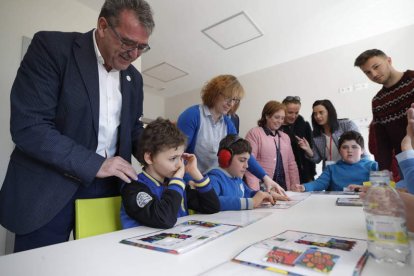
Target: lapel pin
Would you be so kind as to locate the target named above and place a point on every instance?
(128, 78)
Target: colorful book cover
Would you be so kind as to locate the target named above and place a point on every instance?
(302, 253)
(182, 237)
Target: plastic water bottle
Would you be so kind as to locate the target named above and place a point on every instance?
(385, 220)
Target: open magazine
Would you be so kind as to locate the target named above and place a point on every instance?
(302, 253)
(182, 237)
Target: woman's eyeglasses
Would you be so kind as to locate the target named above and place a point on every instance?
(230, 100)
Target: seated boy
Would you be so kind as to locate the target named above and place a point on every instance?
(160, 195)
(234, 194)
(351, 170)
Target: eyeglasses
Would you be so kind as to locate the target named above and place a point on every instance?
(231, 100)
(130, 46)
(292, 99)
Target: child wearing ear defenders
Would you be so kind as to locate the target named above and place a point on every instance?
(160, 195)
(233, 193)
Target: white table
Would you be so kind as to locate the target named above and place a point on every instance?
(104, 255)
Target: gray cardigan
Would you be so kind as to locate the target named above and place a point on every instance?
(319, 142)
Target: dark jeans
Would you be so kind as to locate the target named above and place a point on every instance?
(58, 229)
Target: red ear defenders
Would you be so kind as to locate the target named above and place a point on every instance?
(225, 154)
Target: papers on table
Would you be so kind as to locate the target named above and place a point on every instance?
(295, 198)
(349, 201)
(237, 218)
(334, 193)
(201, 228)
(182, 237)
(293, 252)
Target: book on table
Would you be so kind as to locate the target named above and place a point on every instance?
(182, 237)
(349, 201)
(302, 253)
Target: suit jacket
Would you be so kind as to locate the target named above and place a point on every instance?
(54, 124)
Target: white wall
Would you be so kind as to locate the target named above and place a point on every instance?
(314, 77)
(23, 18)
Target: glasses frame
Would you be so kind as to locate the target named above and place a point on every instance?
(142, 48)
(230, 100)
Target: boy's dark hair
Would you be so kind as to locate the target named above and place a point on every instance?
(236, 144)
(351, 135)
(332, 118)
(363, 57)
(159, 135)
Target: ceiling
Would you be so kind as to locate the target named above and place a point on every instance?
(289, 29)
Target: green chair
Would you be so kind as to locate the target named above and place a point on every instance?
(97, 216)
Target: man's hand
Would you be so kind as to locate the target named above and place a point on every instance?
(119, 167)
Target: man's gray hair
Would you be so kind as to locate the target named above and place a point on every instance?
(112, 8)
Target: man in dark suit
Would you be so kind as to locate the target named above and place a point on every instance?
(76, 105)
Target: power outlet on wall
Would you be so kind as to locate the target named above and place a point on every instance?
(353, 87)
(344, 90)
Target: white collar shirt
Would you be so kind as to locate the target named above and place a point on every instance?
(110, 103)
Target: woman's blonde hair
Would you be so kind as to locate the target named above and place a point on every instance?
(226, 85)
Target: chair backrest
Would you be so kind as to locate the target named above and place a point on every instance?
(97, 216)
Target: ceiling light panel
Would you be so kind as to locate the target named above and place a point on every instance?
(165, 72)
(233, 31)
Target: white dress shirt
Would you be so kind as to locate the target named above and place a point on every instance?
(110, 102)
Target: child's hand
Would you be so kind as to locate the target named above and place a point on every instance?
(190, 161)
(192, 184)
(277, 196)
(354, 187)
(363, 192)
(262, 197)
(298, 188)
(181, 170)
